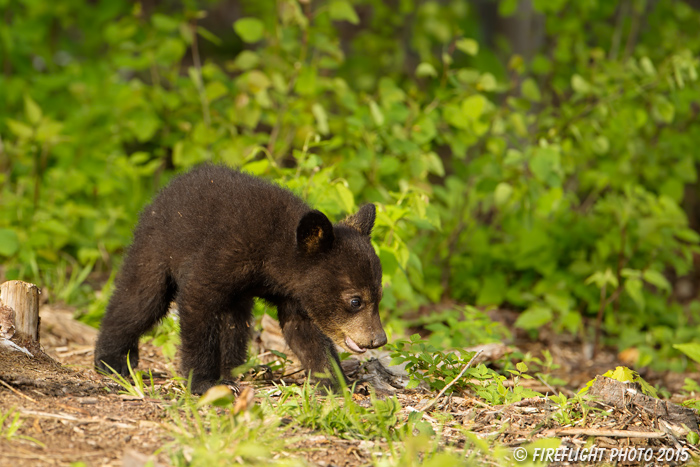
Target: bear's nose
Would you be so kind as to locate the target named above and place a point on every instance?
(379, 339)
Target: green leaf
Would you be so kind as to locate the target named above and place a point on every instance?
(164, 23)
(9, 243)
(487, 83)
(692, 350)
(530, 91)
(346, 197)
(342, 10)
(426, 69)
(580, 85)
(412, 384)
(647, 66)
(246, 60)
(622, 374)
(602, 278)
(507, 7)
(390, 264)
(435, 165)
(468, 46)
(545, 164)
(493, 289)
(195, 77)
(376, 112)
(502, 193)
(633, 287)
(306, 81)
(208, 35)
(534, 317)
(473, 106)
(214, 90)
(600, 145)
(657, 279)
(662, 110)
(32, 110)
(20, 129)
(219, 395)
(321, 118)
(249, 29)
(258, 81)
(170, 51)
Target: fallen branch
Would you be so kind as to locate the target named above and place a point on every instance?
(71, 418)
(610, 433)
(16, 391)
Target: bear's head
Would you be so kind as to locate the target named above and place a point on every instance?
(342, 278)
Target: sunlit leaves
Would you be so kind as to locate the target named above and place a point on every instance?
(530, 90)
(342, 10)
(9, 243)
(249, 29)
(425, 69)
(468, 46)
(692, 350)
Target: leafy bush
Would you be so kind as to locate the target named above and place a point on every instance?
(552, 182)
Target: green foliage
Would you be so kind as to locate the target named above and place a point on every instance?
(10, 423)
(136, 385)
(204, 436)
(166, 336)
(436, 369)
(457, 328)
(552, 182)
(572, 410)
(339, 415)
(691, 349)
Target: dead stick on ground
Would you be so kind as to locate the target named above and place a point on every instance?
(451, 383)
(16, 391)
(71, 418)
(612, 433)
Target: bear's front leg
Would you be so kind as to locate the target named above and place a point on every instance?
(315, 350)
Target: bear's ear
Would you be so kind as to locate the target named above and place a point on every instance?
(362, 220)
(314, 233)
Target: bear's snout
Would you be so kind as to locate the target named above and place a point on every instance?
(378, 340)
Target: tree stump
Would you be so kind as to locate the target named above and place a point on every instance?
(23, 298)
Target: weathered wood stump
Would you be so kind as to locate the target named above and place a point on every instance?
(678, 419)
(20, 301)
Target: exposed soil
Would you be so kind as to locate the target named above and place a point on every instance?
(72, 414)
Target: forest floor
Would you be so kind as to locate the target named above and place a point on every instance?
(67, 413)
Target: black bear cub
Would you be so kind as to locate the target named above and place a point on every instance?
(214, 239)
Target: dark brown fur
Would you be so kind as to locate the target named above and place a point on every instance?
(214, 239)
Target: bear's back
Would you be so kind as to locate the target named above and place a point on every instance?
(213, 208)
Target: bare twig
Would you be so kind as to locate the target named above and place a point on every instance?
(16, 391)
(71, 418)
(451, 383)
(549, 386)
(611, 433)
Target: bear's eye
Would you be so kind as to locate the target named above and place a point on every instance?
(356, 303)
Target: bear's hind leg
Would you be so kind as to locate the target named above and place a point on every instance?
(141, 299)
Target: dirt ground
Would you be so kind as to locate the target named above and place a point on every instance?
(74, 414)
